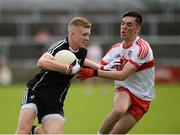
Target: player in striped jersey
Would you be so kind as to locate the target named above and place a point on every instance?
(46, 92)
(131, 65)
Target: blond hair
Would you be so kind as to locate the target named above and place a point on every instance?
(80, 22)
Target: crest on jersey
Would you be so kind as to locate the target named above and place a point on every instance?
(129, 53)
(32, 96)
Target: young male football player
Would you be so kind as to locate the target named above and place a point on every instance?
(133, 75)
(45, 93)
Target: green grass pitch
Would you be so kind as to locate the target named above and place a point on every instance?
(87, 105)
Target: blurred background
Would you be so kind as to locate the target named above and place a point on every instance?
(28, 27)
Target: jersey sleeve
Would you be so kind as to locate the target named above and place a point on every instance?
(112, 53)
(142, 54)
(52, 50)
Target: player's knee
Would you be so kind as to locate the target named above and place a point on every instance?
(53, 131)
(56, 129)
(119, 112)
(23, 129)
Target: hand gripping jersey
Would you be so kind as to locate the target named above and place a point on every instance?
(140, 83)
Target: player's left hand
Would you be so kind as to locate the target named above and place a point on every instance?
(73, 68)
(85, 73)
(112, 66)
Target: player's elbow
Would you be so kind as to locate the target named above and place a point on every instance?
(121, 77)
(40, 63)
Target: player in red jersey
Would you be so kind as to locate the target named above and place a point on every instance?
(131, 65)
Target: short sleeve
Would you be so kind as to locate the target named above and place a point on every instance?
(142, 53)
(112, 53)
(52, 49)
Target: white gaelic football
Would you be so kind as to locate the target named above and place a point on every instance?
(65, 57)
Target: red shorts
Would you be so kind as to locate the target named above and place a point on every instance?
(138, 106)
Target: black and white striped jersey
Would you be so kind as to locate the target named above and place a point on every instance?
(54, 85)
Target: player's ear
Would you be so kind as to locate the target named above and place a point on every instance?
(71, 34)
(138, 29)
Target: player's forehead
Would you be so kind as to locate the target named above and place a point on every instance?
(85, 30)
(128, 19)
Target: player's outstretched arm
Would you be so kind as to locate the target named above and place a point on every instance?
(91, 64)
(118, 75)
(128, 69)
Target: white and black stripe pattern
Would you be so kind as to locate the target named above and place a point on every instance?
(39, 80)
(56, 45)
(61, 96)
(24, 99)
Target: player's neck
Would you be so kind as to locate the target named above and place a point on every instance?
(73, 50)
(126, 45)
(129, 42)
(72, 46)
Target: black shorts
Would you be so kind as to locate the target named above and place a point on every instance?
(44, 106)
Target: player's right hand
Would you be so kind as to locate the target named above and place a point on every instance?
(73, 68)
(85, 73)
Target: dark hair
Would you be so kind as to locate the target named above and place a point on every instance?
(136, 14)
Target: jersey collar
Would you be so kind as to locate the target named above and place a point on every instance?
(72, 50)
(128, 46)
